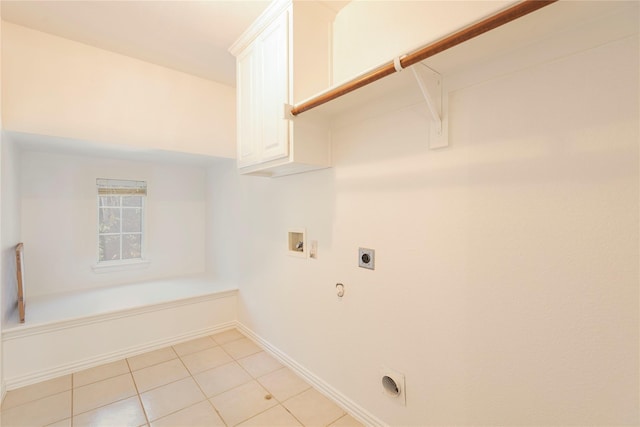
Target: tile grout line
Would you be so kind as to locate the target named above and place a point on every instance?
(102, 366)
(255, 378)
(178, 357)
(333, 421)
(110, 403)
(72, 394)
(153, 364)
(281, 403)
(102, 406)
(261, 385)
(160, 386)
(129, 371)
(224, 391)
(4, 412)
(144, 410)
(206, 398)
(191, 375)
(215, 344)
(126, 360)
(235, 339)
(3, 409)
(344, 413)
(236, 360)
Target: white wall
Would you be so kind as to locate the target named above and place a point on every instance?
(57, 87)
(507, 265)
(225, 213)
(59, 219)
(369, 33)
(10, 222)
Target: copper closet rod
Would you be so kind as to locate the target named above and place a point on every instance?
(461, 36)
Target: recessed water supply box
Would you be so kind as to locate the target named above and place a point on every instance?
(297, 243)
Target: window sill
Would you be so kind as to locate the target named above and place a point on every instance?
(111, 266)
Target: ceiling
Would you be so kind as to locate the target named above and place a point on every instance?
(187, 35)
(76, 147)
(191, 36)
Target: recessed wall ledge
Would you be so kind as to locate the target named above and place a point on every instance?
(134, 264)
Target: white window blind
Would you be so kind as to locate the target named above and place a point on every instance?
(120, 219)
(121, 187)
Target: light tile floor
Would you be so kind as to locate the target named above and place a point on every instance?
(221, 380)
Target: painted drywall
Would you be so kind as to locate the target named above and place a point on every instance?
(507, 265)
(10, 223)
(369, 33)
(59, 219)
(57, 87)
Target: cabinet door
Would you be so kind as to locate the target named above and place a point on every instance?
(274, 44)
(248, 99)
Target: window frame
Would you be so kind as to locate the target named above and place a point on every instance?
(118, 264)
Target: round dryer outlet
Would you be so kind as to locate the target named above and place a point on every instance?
(393, 385)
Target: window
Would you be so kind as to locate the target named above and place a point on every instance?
(120, 219)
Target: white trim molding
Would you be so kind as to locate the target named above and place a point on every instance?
(355, 410)
(274, 9)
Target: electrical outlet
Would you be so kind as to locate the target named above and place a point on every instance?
(366, 258)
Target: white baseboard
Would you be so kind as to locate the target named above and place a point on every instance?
(355, 410)
(70, 368)
(3, 392)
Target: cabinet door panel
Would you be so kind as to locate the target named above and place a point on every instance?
(274, 89)
(248, 86)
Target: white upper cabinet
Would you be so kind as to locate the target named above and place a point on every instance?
(283, 58)
(274, 86)
(247, 103)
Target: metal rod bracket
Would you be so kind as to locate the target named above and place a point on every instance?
(286, 112)
(432, 87)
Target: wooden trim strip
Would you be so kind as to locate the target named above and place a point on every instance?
(514, 12)
(20, 280)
